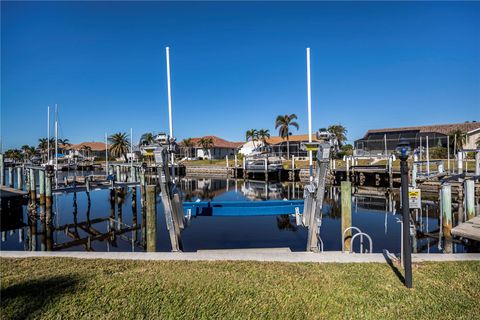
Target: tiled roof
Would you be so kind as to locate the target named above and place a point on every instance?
(217, 142)
(95, 146)
(441, 128)
(292, 138)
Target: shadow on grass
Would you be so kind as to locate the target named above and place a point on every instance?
(20, 300)
(394, 267)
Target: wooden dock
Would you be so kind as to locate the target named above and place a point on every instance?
(469, 229)
(7, 192)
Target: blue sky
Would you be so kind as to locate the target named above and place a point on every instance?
(235, 66)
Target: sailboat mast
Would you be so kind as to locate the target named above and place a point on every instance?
(106, 155)
(309, 101)
(48, 135)
(131, 149)
(56, 145)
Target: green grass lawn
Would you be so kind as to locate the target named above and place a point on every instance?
(99, 289)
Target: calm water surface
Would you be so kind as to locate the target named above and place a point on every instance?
(74, 220)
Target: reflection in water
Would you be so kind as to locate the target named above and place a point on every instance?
(108, 220)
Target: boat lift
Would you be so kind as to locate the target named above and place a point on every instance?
(308, 212)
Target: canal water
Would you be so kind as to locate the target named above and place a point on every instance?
(76, 220)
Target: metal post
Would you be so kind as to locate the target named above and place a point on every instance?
(446, 212)
(169, 93)
(346, 196)
(151, 219)
(385, 139)
(407, 247)
(309, 102)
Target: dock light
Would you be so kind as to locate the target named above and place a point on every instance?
(403, 150)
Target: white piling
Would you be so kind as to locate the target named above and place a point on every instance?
(459, 162)
(477, 163)
(469, 198)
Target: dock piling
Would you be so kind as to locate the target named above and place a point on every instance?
(446, 216)
(41, 178)
(469, 198)
(10, 177)
(19, 178)
(33, 186)
(151, 219)
(346, 195)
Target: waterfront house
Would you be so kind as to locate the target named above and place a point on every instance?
(219, 149)
(278, 145)
(375, 140)
(86, 150)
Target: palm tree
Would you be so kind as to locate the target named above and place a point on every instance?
(461, 138)
(263, 135)
(206, 144)
(86, 150)
(28, 151)
(283, 123)
(340, 133)
(251, 135)
(188, 144)
(147, 138)
(119, 144)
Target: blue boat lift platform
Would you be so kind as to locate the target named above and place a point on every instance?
(243, 208)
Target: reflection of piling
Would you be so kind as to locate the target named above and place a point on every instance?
(134, 212)
(118, 196)
(446, 213)
(151, 219)
(346, 193)
(112, 207)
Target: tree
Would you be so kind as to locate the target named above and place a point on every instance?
(147, 138)
(119, 145)
(188, 144)
(461, 138)
(86, 150)
(263, 135)
(28, 152)
(206, 144)
(251, 135)
(13, 154)
(283, 124)
(340, 133)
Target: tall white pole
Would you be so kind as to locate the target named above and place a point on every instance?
(56, 145)
(309, 101)
(385, 139)
(106, 154)
(428, 159)
(169, 91)
(131, 148)
(448, 154)
(48, 135)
